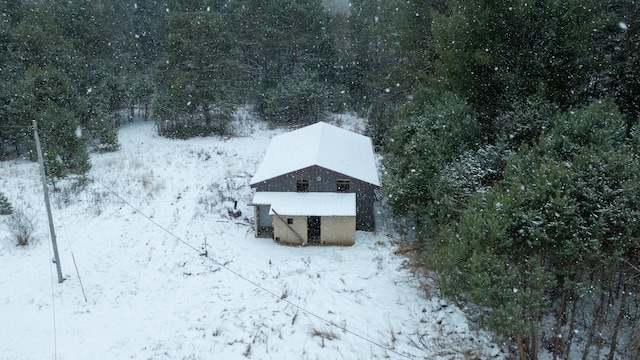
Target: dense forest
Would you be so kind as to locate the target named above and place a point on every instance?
(509, 129)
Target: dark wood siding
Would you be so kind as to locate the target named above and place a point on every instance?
(323, 180)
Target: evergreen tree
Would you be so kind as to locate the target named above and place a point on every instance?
(47, 72)
(556, 230)
(433, 131)
(494, 53)
(56, 109)
(138, 30)
(392, 56)
(300, 98)
(279, 37)
(12, 11)
(377, 91)
(87, 30)
(621, 47)
(197, 82)
(5, 205)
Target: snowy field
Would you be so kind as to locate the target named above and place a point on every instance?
(137, 232)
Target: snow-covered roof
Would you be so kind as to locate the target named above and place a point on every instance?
(307, 203)
(323, 145)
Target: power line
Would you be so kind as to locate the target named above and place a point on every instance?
(143, 215)
(14, 127)
(75, 265)
(53, 307)
(242, 277)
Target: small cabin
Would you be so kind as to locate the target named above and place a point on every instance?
(316, 185)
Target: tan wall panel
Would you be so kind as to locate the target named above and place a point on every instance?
(338, 230)
(282, 231)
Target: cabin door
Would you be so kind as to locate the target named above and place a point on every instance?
(313, 228)
(264, 219)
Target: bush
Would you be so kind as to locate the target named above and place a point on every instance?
(5, 205)
(21, 227)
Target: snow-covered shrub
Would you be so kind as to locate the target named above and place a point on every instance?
(21, 227)
(68, 190)
(527, 120)
(324, 335)
(219, 196)
(151, 183)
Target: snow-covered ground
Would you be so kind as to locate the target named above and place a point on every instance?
(137, 233)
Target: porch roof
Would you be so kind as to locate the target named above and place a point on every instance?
(307, 203)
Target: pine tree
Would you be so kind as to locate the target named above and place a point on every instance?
(5, 205)
(300, 98)
(433, 131)
(94, 74)
(280, 39)
(558, 229)
(494, 53)
(50, 74)
(197, 80)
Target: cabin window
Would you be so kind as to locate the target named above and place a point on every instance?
(289, 221)
(302, 186)
(343, 185)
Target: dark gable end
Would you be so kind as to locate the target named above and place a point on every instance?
(324, 180)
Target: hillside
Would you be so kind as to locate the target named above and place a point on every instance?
(137, 233)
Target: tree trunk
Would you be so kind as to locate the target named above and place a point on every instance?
(533, 348)
(566, 348)
(520, 347)
(561, 320)
(611, 284)
(632, 349)
(597, 315)
(207, 115)
(614, 337)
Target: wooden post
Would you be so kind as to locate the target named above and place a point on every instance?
(47, 203)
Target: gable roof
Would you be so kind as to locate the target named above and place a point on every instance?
(323, 145)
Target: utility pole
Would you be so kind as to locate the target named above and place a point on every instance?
(47, 203)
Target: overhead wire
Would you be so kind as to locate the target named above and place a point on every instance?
(255, 284)
(53, 308)
(75, 265)
(15, 127)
